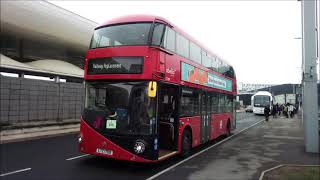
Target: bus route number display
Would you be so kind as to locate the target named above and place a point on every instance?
(115, 65)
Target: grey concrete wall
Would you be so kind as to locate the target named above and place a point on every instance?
(24, 100)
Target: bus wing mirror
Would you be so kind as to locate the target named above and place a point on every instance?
(152, 89)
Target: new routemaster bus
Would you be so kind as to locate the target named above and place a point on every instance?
(152, 91)
(260, 100)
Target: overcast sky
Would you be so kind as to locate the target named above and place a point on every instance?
(259, 38)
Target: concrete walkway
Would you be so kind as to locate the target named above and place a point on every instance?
(279, 141)
(34, 130)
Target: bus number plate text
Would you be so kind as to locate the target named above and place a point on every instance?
(104, 151)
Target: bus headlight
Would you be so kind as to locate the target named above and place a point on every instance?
(80, 139)
(139, 146)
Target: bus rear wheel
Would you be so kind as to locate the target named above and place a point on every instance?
(186, 144)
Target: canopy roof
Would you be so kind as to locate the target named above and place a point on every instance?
(47, 66)
(43, 21)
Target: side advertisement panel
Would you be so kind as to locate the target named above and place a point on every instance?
(195, 75)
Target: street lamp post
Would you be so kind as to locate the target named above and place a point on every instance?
(309, 76)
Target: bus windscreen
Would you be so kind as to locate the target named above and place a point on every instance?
(121, 35)
(261, 101)
(120, 108)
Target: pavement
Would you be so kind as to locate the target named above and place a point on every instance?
(23, 131)
(246, 156)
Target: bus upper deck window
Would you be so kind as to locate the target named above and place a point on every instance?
(157, 36)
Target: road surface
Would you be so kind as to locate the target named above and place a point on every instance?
(59, 158)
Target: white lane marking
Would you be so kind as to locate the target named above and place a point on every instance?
(187, 159)
(14, 172)
(77, 157)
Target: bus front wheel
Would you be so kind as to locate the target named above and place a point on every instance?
(186, 144)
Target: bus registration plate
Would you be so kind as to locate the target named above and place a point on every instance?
(104, 151)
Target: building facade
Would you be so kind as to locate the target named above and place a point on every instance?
(40, 40)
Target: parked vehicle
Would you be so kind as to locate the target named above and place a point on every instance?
(249, 109)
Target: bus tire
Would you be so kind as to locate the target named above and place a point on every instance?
(186, 144)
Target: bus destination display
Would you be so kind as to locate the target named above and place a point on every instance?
(115, 65)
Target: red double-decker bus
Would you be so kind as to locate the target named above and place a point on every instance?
(152, 91)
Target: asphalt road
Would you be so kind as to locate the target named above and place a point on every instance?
(59, 158)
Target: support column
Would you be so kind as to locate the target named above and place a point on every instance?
(57, 79)
(21, 75)
(309, 76)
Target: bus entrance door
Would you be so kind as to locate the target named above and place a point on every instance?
(205, 118)
(168, 118)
